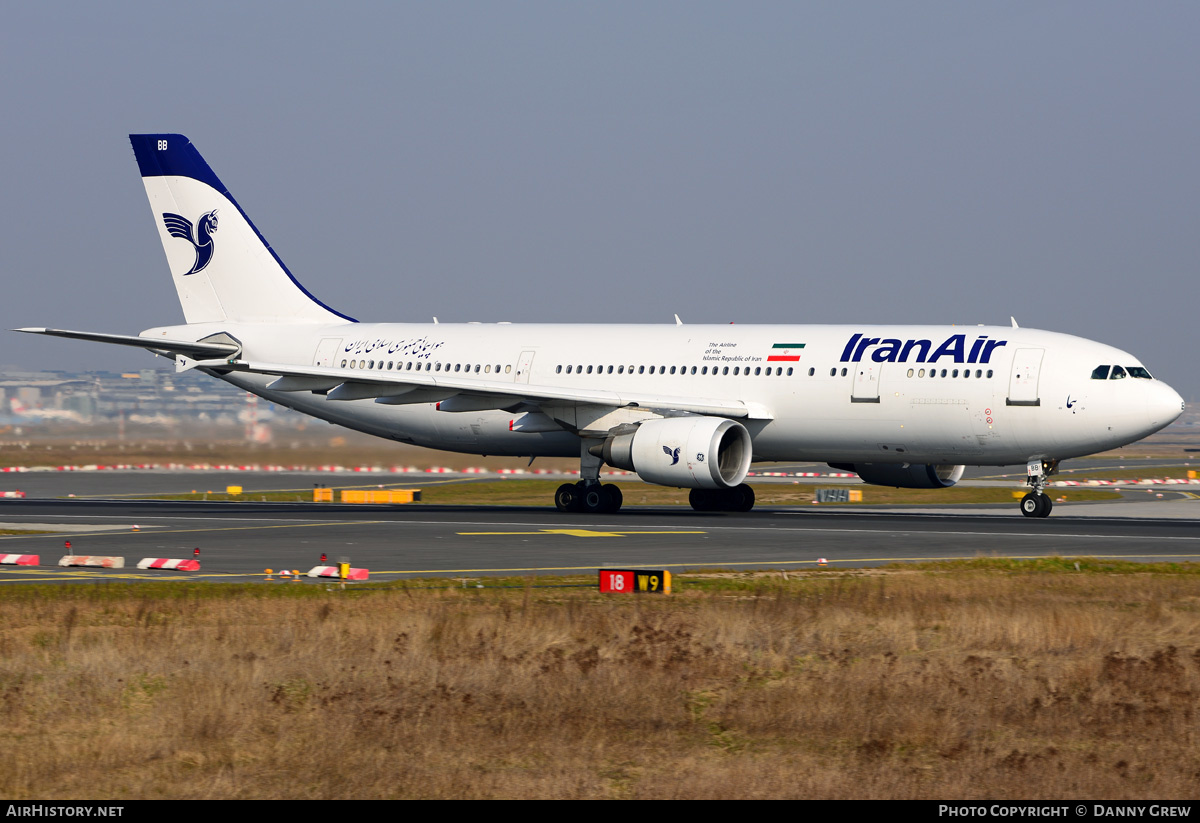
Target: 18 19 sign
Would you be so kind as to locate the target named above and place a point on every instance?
(622, 581)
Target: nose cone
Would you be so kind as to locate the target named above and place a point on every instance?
(1163, 405)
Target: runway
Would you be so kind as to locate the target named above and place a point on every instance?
(238, 542)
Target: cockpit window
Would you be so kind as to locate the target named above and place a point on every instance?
(1100, 373)
(1138, 371)
(1117, 373)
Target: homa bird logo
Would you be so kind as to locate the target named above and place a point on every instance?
(674, 455)
(202, 241)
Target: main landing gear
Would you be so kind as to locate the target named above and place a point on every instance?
(588, 495)
(738, 499)
(1037, 503)
(592, 498)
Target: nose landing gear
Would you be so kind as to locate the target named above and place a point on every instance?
(1037, 503)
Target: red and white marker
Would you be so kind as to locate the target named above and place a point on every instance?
(167, 563)
(89, 560)
(821, 561)
(19, 559)
(332, 571)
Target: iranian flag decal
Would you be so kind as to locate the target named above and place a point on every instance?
(789, 352)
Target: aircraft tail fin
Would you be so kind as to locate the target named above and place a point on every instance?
(223, 268)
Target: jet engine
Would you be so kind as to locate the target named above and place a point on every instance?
(685, 452)
(905, 475)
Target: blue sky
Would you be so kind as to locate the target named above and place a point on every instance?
(621, 162)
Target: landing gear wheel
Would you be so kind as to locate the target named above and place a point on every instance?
(613, 497)
(595, 499)
(743, 498)
(703, 500)
(1036, 505)
(567, 498)
(738, 499)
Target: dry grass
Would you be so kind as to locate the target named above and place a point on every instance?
(913, 684)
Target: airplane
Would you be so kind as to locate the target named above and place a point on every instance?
(688, 406)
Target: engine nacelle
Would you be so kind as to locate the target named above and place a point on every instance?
(685, 452)
(906, 475)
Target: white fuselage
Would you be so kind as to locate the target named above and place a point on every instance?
(971, 395)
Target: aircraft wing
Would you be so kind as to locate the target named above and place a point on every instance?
(186, 348)
(395, 388)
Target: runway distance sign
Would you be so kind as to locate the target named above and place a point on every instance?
(635, 581)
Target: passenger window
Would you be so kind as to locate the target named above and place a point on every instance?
(921, 373)
(725, 370)
(1117, 373)
(789, 371)
(672, 370)
(589, 371)
(833, 372)
(843, 372)
(910, 372)
(811, 372)
(989, 372)
(508, 369)
(757, 370)
(1100, 373)
(343, 364)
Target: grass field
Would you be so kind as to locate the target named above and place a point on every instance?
(988, 679)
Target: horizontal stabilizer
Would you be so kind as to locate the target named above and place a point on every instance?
(196, 351)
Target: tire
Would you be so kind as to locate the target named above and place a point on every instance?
(743, 498)
(593, 499)
(613, 497)
(1047, 505)
(566, 498)
(1031, 505)
(703, 500)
